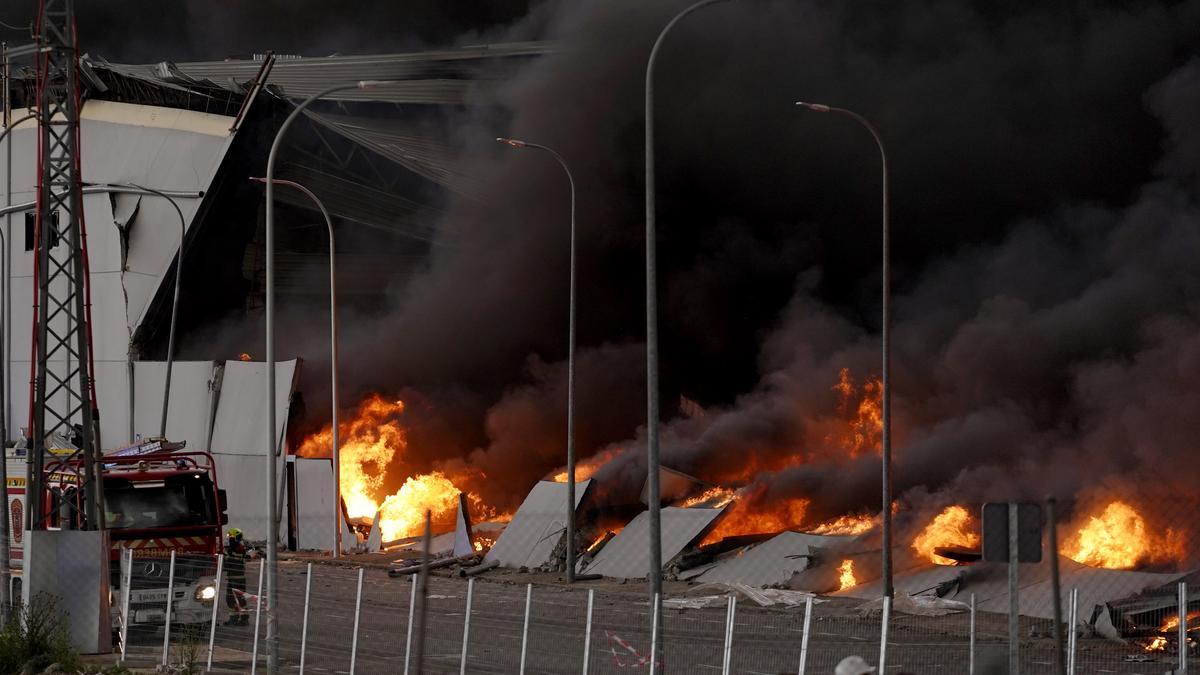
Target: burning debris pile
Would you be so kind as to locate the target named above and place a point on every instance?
(373, 445)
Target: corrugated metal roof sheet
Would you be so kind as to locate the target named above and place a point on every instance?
(627, 556)
(537, 526)
(772, 562)
(988, 582)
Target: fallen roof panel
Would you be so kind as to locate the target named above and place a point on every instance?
(772, 562)
(627, 556)
(988, 582)
(537, 526)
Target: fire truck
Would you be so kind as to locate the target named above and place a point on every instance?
(157, 499)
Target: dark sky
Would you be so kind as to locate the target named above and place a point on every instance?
(181, 30)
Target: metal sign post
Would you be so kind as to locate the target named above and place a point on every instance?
(1012, 533)
(1014, 607)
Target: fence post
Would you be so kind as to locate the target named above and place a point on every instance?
(304, 628)
(1073, 636)
(262, 566)
(412, 606)
(971, 655)
(654, 635)
(587, 633)
(730, 612)
(1183, 627)
(212, 627)
(525, 629)
(126, 582)
(167, 616)
(462, 666)
(357, 611)
(883, 634)
(808, 610)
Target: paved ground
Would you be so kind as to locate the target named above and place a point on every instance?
(766, 641)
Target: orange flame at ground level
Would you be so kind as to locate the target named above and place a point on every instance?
(846, 575)
(1157, 644)
(372, 443)
(952, 527)
(1118, 538)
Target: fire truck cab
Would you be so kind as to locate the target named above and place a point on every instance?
(156, 501)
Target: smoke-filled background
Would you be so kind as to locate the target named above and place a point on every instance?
(1045, 166)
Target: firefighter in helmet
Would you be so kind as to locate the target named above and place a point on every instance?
(235, 586)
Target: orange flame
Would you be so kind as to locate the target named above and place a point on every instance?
(846, 575)
(740, 519)
(713, 498)
(1172, 622)
(1158, 644)
(370, 444)
(1118, 538)
(864, 408)
(588, 467)
(245, 357)
(952, 527)
(845, 525)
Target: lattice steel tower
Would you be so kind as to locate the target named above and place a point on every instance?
(63, 417)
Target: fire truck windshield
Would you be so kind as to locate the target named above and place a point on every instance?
(179, 501)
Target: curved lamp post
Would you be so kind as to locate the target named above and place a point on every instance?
(162, 426)
(886, 404)
(333, 361)
(272, 442)
(652, 463)
(570, 361)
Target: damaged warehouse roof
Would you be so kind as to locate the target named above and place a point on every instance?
(438, 77)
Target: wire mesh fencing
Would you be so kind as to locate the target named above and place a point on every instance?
(201, 613)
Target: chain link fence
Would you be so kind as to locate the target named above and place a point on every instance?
(198, 613)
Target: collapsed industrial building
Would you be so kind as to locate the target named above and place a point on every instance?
(197, 132)
(168, 151)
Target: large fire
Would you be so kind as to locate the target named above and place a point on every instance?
(1118, 538)
(846, 577)
(371, 444)
(952, 527)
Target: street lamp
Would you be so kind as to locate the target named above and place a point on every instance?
(162, 426)
(333, 363)
(570, 361)
(272, 441)
(652, 463)
(887, 327)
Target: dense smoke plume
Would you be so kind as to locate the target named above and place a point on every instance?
(1045, 167)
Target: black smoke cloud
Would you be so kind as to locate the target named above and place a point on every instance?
(1044, 167)
(1029, 181)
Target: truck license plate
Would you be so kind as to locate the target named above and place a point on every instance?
(150, 596)
(149, 616)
